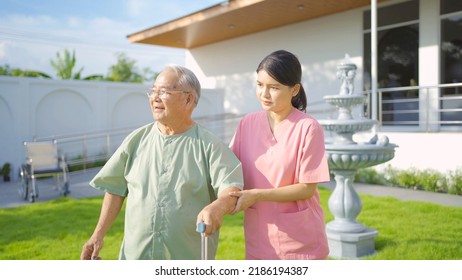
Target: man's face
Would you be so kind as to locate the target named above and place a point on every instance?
(168, 101)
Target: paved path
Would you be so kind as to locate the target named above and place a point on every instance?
(405, 194)
(9, 196)
(79, 187)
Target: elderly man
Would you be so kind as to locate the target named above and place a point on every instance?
(173, 172)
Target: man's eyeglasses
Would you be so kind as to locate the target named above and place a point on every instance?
(162, 93)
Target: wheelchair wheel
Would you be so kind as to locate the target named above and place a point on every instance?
(32, 198)
(33, 189)
(66, 189)
(23, 184)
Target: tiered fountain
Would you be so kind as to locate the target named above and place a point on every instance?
(347, 237)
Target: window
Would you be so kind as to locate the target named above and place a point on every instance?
(397, 61)
(451, 61)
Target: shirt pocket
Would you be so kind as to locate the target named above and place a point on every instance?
(256, 235)
(297, 232)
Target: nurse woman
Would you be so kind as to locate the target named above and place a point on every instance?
(283, 158)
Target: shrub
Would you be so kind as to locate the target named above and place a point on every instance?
(369, 176)
(431, 180)
(400, 178)
(6, 169)
(427, 179)
(454, 181)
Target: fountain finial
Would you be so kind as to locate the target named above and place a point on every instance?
(346, 72)
(346, 60)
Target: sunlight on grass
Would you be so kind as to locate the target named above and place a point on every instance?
(57, 230)
(231, 243)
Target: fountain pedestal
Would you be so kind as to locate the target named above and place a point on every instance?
(352, 245)
(347, 237)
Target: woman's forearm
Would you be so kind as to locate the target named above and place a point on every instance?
(287, 193)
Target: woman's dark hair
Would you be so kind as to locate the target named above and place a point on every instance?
(285, 68)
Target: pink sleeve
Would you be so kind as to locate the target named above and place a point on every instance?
(235, 141)
(313, 161)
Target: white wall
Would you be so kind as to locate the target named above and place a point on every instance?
(439, 151)
(32, 107)
(320, 45)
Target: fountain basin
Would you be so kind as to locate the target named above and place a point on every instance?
(346, 65)
(345, 101)
(353, 157)
(348, 125)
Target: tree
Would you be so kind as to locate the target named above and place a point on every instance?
(64, 66)
(96, 77)
(16, 72)
(5, 70)
(126, 71)
(149, 75)
(29, 73)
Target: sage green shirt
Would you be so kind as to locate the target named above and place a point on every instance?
(167, 180)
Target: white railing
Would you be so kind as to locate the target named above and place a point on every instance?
(426, 108)
(409, 109)
(92, 147)
(420, 110)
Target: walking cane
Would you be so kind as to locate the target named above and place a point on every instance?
(201, 228)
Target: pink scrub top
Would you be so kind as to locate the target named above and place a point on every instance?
(294, 153)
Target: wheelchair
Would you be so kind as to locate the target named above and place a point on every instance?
(42, 161)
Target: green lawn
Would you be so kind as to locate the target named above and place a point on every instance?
(56, 230)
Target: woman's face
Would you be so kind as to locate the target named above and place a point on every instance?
(274, 96)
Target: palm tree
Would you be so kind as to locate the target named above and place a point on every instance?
(64, 66)
(125, 70)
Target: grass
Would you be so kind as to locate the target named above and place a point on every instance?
(57, 230)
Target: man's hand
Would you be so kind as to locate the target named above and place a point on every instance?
(90, 250)
(110, 209)
(212, 214)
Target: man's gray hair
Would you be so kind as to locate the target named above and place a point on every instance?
(187, 80)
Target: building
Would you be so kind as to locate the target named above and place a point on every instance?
(419, 75)
(419, 54)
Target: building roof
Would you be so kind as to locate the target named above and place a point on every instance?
(236, 18)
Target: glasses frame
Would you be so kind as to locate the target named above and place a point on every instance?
(162, 93)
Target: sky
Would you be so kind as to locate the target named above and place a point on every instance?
(32, 32)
